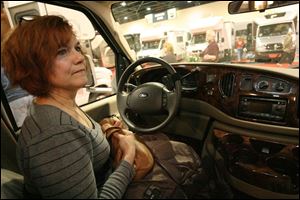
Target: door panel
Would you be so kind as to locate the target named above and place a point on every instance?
(102, 108)
(188, 124)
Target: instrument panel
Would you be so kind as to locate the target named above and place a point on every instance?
(251, 94)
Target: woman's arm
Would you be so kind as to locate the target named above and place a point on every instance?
(59, 164)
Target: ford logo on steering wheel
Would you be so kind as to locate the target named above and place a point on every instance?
(143, 95)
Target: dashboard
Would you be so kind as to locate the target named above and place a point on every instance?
(243, 93)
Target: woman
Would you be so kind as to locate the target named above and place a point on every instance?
(168, 51)
(240, 44)
(288, 50)
(211, 52)
(61, 151)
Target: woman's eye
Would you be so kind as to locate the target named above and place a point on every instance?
(62, 51)
(78, 48)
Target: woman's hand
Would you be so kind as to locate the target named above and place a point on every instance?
(126, 144)
(209, 57)
(116, 122)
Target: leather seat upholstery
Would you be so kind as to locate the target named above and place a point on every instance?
(11, 185)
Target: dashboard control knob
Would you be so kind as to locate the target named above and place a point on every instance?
(279, 87)
(263, 85)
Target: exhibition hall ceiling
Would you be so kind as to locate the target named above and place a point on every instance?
(134, 10)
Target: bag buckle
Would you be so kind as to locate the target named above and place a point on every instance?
(152, 192)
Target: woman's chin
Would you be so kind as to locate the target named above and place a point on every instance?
(82, 83)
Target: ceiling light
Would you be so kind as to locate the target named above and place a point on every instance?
(148, 8)
(125, 18)
(123, 3)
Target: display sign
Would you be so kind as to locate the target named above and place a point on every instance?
(160, 16)
(157, 17)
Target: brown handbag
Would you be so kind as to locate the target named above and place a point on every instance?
(143, 161)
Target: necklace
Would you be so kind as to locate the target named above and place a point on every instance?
(74, 111)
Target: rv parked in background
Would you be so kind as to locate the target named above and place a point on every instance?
(152, 44)
(224, 37)
(270, 33)
(179, 41)
(197, 45)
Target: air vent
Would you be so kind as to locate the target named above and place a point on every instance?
(227, 84)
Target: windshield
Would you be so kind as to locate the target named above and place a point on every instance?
(267, 38)
(275, 29)
(198, 38)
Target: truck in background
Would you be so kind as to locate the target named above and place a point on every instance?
(270, 33)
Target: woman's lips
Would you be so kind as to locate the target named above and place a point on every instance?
(78, 71)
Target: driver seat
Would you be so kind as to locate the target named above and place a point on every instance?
(11, 185)
(11, 181)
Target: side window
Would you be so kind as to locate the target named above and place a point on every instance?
(99, 56)
(94, 46)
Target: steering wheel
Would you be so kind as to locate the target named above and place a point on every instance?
(148, 98)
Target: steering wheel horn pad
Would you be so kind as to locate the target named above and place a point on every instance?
(144, 95)
(148, 98)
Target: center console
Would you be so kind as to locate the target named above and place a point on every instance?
(268, 165)
(262, 109)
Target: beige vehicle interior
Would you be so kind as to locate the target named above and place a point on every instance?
(224, 111)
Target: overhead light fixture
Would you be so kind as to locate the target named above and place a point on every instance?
(148, 8)
(125, 18)
(123, 3)
(189, 1)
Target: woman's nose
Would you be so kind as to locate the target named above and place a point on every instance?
(78, 56)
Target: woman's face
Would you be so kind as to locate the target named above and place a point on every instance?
(69, 68)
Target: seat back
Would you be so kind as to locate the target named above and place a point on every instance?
(8, 148)
(11, 185)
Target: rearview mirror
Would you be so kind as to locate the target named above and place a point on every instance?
(236, 7)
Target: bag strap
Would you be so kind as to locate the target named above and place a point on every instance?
(216, 170)
(167, 167)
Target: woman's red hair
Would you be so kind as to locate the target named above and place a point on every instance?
(29, 52)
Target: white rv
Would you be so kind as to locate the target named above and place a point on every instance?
(270, 33)
(152, 44)
(197, 45)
